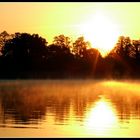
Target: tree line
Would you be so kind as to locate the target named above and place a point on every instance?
(24, 55)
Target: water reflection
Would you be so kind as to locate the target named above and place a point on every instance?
(97, 107)
(29, 103)
(101, 117)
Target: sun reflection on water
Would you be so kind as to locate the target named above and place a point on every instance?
(101, 118)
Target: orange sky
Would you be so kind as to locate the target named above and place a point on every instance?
(49, 19)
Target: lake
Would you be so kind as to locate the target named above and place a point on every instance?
(69, 108)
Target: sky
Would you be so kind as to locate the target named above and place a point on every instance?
(97, 21)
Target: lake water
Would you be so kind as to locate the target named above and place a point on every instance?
(69, 108)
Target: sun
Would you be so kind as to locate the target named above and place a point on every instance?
(101, 31)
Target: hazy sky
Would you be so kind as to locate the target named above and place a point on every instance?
(49, 19)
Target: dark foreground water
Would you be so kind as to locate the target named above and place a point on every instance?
(69, 108)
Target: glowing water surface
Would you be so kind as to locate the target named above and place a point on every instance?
(69, 108)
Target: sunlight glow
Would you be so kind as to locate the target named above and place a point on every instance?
(101, 31)
(101, 117)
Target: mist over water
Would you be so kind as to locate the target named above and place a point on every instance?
(69, 108)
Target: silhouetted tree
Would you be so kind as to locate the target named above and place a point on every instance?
(123, 47)
(26, 55)
(93, 60)
(136, 49)
(79, 46)
(4, 36)
(121, 57)
(58, 58)
(24, 45)
(24, 52)
(62, 41)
